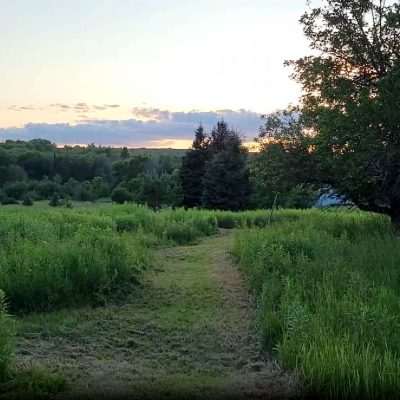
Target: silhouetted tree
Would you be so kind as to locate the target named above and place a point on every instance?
(285, 165)
(351, 97)
(193, 168)
(124, 153)
(226, 179)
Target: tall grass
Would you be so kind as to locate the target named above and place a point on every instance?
(50, 258)
(6, 338)
(328, 289)
(57, 257)
(177, 226)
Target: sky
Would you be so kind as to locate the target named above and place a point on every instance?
(144, 73)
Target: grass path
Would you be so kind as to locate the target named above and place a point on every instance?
(187, 333)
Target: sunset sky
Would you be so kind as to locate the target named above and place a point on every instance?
(143, 72)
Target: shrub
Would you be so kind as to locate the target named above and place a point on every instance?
(9, 200)
(120, 195)
(55, 200)
(27, 201)
(68, 203)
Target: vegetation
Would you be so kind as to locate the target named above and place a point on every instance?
(57, 257)
(327, 284)
(193, 169)
(285, 169)
(6, 338)
(351, 87)
(52, 258)
(214, 172)
(40, 170)
(217, 173)
(328, 295)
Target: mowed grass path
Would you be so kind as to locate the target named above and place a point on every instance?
(189, 332)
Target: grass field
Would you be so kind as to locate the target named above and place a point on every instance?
(326, 284)
(328, 290)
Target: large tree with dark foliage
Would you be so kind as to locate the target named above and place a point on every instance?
(351, 99)
(226, 178)
(192, 170)
(284, 169)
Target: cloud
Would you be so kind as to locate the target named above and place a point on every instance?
(153, 114)
(21, 108)
(150, 127)
(78, 108)
(81, 108)
(60, 107)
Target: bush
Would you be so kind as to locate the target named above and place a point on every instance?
(55, 200)
(9, 200)
(121, 195)
(16, 190)
(27, 201)
(68, 203)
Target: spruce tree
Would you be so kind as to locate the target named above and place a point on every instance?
(124, 153)
(192, 170)
(226, 178)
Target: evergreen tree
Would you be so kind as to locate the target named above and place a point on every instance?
(124, 153)
(54, 201)
(192, 170)
(226, 178)
(27, 200)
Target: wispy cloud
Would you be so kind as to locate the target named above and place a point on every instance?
(149, 127)
(22, 108)
(77, 108)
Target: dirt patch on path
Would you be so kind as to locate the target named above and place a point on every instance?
(189, 332)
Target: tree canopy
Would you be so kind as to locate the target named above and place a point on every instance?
(351, 99)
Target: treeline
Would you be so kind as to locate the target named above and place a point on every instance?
(38, 170)
(216, 173)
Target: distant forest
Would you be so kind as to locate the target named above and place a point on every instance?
(217, 172)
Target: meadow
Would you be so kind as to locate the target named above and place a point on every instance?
(326, 284)
(328, 291)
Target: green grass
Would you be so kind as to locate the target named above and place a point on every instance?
(188, 332)
(328, 290)
(6, 339)
(55, 257)
(33, 383)
(327, 283)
